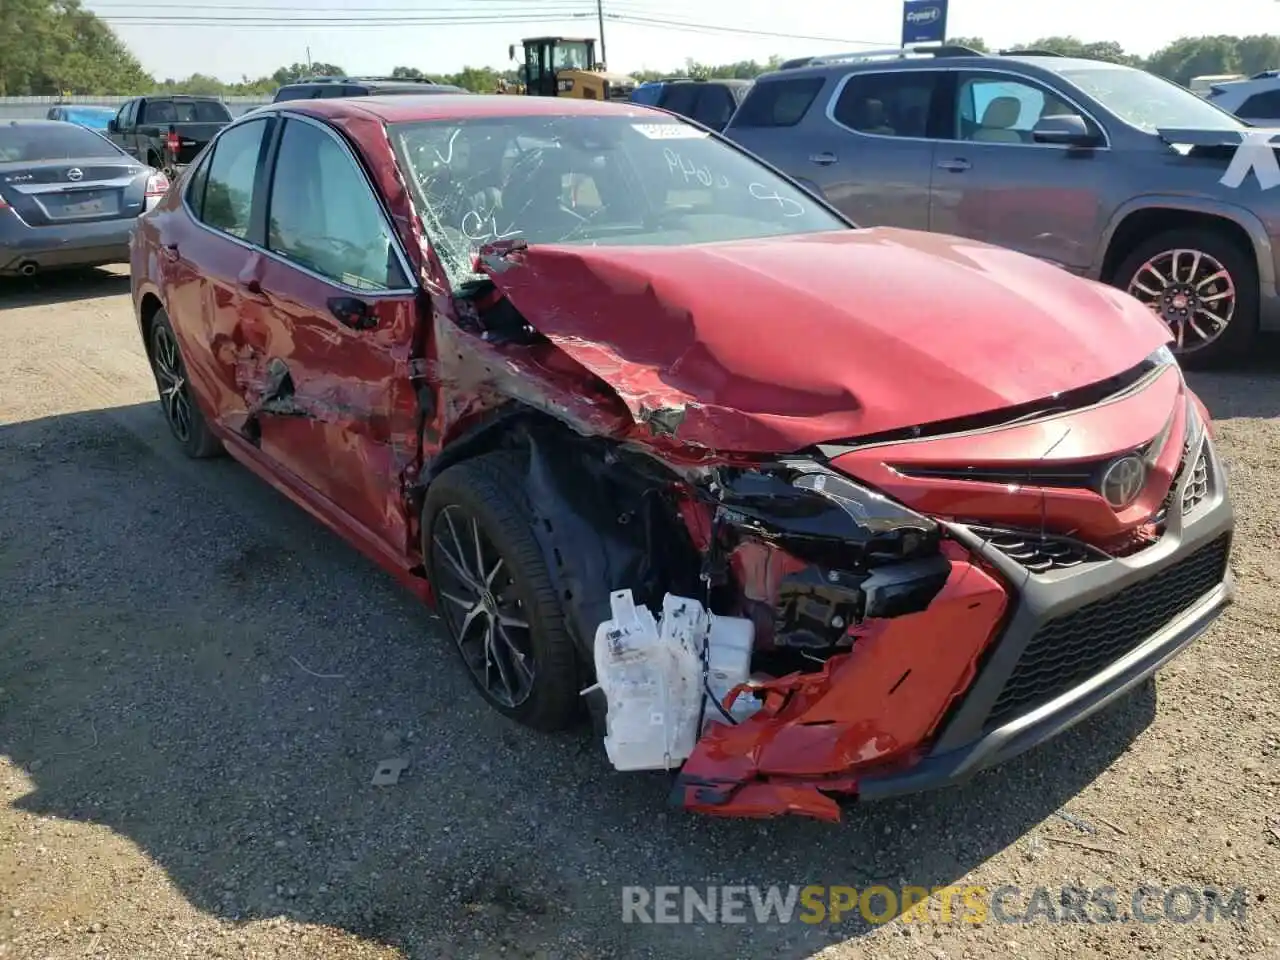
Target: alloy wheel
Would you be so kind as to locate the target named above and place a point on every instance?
(171, 378)
(480, 603)
(1191, 291)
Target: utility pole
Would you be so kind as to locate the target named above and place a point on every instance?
(600, 19)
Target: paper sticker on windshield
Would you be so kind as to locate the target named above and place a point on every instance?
(668, 131)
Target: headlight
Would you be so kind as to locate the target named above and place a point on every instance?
(1163, 357)
(806, 504)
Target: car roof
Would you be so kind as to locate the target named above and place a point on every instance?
(408, 108)
(33, 122)
(976, 61)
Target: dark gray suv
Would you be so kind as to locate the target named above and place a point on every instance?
(1105, 170)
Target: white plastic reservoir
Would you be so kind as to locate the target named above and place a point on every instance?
(729, 646)
(651, 674)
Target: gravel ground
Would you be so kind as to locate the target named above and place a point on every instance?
(197, 681)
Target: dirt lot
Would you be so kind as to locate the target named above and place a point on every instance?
(197, 682)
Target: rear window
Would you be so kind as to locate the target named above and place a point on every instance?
(680, 98)
(778, 103)
(293, 93)
(57, 141)
(185, 111)
(1264, 106)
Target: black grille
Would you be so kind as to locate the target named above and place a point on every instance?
(1068, 650)
(1039, 553)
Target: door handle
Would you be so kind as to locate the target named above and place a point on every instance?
(352, 312)
(824, 159)
(958, 165)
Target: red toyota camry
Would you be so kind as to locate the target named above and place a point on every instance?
(527, 352)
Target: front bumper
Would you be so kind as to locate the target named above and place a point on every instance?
(63, 245)
(1072, 641)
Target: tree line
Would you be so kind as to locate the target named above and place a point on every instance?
(53, 47)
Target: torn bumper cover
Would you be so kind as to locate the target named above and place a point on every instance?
(1000, 661)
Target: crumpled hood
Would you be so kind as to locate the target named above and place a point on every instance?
(772, 345)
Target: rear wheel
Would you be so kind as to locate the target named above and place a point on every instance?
(1203, 286)
(186, 422)
(495, 594)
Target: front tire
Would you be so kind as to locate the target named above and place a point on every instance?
(1203, 286)
(177, 402)
(495, 594)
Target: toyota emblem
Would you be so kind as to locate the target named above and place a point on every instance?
(75, 173)
(1123, 480)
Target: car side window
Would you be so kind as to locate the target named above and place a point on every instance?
(122, 118)
(232, 173)
(196, 186)
(888, 104)
(324, 216)
(778, 103)
(999, 109)
(1262, 106)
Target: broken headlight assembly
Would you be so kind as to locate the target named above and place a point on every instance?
(847, 552)
(818, 512)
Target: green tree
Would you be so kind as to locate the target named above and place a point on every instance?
(300, 71)
(1072, 47)
(1196, 56)
(48, 47)
(407, 73)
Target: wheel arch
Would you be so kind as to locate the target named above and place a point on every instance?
(149, 306)
(1146, 216)
(598, 511)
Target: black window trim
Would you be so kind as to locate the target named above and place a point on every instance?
(256, 240)
(950, 88)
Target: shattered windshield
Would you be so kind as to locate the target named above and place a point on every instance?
(1149, 102)
(652, 181)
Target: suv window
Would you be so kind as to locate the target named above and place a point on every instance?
(1262, 105)
(778, 103)
(325, 217)
(894, 104)
(233, 169)
(997, 109)
(294, 93)
(715, 107)
(680, 98)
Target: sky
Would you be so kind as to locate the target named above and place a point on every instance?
(231, 39)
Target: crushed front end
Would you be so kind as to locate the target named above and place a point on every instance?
(933, 602)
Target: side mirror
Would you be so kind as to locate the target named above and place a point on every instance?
(112, 126)
(1069, 130)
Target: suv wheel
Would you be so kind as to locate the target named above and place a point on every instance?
(1203, 286)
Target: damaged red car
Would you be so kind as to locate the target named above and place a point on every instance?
(525, 353)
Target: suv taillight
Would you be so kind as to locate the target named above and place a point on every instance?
(157, 185)
(172, 143)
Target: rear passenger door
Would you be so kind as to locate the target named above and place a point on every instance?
(775, 123)
(877, 163)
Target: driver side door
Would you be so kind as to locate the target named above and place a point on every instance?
(332, 401)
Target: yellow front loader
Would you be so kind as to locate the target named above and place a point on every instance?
(566, 67)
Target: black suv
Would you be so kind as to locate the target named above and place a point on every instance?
(709, 102)
(315, 88)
